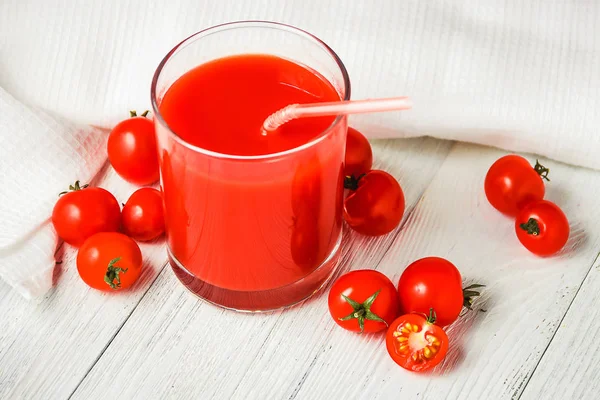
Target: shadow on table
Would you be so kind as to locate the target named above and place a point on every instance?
(58, 267)
(460, 331)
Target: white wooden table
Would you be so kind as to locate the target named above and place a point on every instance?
(538, 339)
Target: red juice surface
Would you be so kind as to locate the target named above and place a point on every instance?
(243, 224)
(221, 106)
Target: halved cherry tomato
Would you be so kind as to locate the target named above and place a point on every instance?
(359, 155)
(363, 301)
(542, 228)
(512, 182)
(132, 150)
(143, 217)
(415, 343)
(109, 261)
(376, 205)
(84, 211)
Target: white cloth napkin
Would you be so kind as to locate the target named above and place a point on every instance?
(40, 155)
(521, 75)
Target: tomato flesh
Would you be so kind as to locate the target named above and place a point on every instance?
(416, 344)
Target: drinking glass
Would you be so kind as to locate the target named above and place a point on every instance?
(258, 232)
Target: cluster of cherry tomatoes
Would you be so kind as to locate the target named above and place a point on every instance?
(90, 217)
(376, 203)
(429, 295)
(515, 188)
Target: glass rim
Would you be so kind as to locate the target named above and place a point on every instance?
(238, 24)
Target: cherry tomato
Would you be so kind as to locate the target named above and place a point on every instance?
(512, 182)
(363, 301)
(84, 211)
(143, 217)
(415, 343)
(306, 186)
(376, 205)
(132, 150)
(436, 283)
(305, 242)
(359, 155)
(109, 261)
(306, 199)
(542, 228)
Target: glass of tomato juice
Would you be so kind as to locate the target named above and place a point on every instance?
(253, 219)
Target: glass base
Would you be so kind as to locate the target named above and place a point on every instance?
(263, 300)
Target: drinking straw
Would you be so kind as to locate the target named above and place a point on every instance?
(294, 111)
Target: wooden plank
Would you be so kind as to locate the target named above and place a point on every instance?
(570, 366)
(177, 346)
(493, 354)
(48, 347)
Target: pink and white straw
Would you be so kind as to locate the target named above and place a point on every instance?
(294, 111)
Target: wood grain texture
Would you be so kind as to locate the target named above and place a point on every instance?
(191, 349)
(159, 341)
(493, 354)
(46, 349)
(570, 368)
(179, 347)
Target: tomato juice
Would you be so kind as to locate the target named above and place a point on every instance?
(248, 212)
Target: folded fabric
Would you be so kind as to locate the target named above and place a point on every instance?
(520, 75)
(40, 154)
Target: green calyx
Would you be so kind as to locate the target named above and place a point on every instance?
(133, 113)
(73, 188)
(112, 277)
(541, 170)
(469, 294)
(351, 181)
(432, 317)
(531, 227)
(362, 311)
